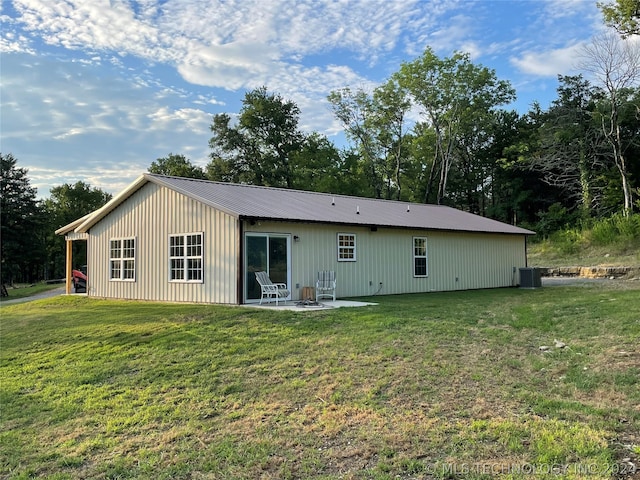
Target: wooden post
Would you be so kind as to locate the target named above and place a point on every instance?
(69, 263)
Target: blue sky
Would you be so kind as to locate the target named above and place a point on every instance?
(96, 90)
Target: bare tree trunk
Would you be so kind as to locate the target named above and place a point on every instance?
(398, 164)
(434, 165)
(616, 65)
(432, 176)
(621, 164)
(446, 166)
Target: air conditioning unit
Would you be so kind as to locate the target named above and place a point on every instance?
(530, 278)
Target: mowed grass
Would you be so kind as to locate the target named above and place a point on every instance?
(441, 385)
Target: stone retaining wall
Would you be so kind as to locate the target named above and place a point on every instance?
(589, 272)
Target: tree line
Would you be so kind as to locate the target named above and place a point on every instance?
(31, 251)
(436, 131)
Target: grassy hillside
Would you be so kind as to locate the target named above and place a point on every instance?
(613, 241)
(442, 385)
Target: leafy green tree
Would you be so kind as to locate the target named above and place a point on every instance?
(258, 148)
(320, 167)
(420, 152)
(68, 203)
(555, 218)
(455, 96)
(391, 106)
(570, 143)
(354, 109)
(21, 222)
(631, 128)
(376, 123)
(176, 166)
(516, 193)
(623, 15)
(478, 118)
(471, 178)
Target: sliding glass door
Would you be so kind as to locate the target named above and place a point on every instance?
(266, 252)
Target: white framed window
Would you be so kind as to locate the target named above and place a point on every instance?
(186, 257)
(346, 247)
(420, 257)
(122, 259)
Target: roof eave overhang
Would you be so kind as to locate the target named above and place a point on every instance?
(251, 218)
(73, 225)
(83, 224)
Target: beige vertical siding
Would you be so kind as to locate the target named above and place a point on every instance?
(151, 215)
(456, 261)
(384, 265)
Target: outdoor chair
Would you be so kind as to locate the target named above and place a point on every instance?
(326, 285)
(271, 290)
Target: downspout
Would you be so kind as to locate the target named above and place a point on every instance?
(239, 280)
(89, 263)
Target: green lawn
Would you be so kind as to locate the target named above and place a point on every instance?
(441, 385)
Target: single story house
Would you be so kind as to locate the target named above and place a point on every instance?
(185, 240)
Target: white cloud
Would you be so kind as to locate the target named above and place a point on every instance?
(245, 44)
(452, 35)
(78, 24)
(111, 179)
(207, 100)
(9, 44)
(559, 9)
(231, 66)
(222, 44)
(181, 120)
(69, 121)
(549, 63)
(111, 86)
(10, 40)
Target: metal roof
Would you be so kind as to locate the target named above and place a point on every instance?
(251, 201)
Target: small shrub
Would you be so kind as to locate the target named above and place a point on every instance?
(568, 241)
(628, 227)
(602, 233)
(615, 229)
(605, 240)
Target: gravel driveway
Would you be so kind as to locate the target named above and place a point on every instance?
(49, 293)
(619, 283)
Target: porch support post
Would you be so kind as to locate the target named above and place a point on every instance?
(69, 263)
(240, 279)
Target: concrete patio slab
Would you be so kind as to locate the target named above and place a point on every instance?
(294, 306)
